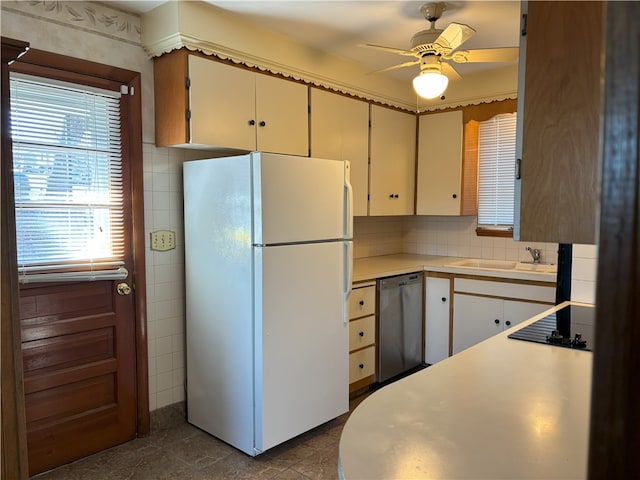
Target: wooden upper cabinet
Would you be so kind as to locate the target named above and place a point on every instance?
(206, 103)
(439, 176)
(559, 103)
(393, 156)
(339, 129)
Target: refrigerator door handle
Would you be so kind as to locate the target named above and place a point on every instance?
(348, 280)
(348, 201)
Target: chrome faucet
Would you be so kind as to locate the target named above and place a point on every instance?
(535, 254)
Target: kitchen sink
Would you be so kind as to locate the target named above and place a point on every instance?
(485, 263)
(488, 264)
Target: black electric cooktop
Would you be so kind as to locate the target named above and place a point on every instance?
(569, 327)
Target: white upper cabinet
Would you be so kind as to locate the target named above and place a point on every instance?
(392, 168)
(439, 164)
(339, 129)
(209, 104)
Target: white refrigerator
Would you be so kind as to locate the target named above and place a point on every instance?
(268, 255)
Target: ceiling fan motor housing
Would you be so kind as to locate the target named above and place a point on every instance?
(424, 42)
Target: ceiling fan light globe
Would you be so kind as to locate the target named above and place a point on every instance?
(430, 84)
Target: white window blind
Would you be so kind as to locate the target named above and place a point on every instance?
(496, 170)
(68, 180)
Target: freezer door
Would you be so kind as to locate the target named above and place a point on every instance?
(301, 353)
(298, 199)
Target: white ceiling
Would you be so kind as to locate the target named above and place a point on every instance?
(339, 26)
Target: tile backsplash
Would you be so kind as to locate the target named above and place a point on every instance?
(430, 235)
(583, 274)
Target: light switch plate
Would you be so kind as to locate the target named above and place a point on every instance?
(163, 240)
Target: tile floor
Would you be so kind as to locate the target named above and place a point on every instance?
(178, 450)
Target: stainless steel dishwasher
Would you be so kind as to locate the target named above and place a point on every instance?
(399, 324)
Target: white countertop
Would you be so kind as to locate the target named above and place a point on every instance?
(502, 409)
(370, 268)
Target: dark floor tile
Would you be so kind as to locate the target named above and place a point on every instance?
(239, 466)
(290, 474)
(322, 466)
(200, 449)
(158, 466)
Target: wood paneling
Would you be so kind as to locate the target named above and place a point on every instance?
(561, 122)
(170, 73)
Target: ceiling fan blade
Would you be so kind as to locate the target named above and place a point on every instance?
(450, 72)
(399, 51)
(395, 67)
(454, 35)
(507, 54)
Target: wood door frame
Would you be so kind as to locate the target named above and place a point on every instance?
(66, 69)
(615, 394)
(13, 421)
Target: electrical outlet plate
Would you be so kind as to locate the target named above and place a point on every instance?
(163, 240)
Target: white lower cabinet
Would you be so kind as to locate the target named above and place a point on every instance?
(436, 316)
(482, 309)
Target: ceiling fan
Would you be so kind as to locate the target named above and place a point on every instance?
(434, 48)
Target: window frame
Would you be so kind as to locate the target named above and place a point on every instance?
(472, 115)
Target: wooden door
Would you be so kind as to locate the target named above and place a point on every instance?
(83, 342)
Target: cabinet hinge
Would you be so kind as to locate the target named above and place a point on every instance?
(125, 90)
(187, 83)
(308, 108)
(188, 115)
(518, 162)
(523, 25)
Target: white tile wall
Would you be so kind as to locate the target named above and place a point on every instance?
(165, 272)
(429, 235)
(584, 273)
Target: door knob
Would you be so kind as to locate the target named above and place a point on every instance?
(123, 289)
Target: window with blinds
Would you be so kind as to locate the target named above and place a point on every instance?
(68, 180)
(496, 170)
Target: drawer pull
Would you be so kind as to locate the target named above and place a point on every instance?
(444, 299)
(361, 365)
(361, 334)
(361, 302)
(496, 321)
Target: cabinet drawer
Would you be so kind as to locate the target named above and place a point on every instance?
(362, 364)
(362, 302)
(362, 332)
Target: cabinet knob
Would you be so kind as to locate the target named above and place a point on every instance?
(508, 322)
(262, 123)
(361, 334)
(361, 365)
(497, 321)
(391, 195)
(396, 196)
(444, 299)
(455, 195)
(361, 302)
(252, 122)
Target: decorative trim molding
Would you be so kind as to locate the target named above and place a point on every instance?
(91, 16)
(192, 43)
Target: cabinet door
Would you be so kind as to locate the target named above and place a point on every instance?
(392, 168)
(518, 312)
(439, 164)
(222, 103)
(282, 116)
(559, 102)
(475, 319)
(339, 129)
(437, 311)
